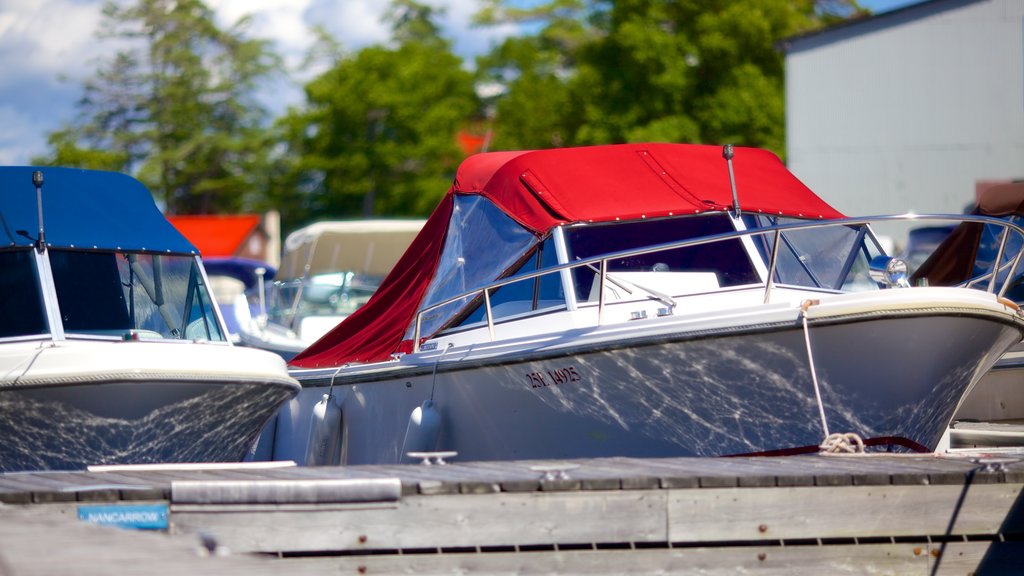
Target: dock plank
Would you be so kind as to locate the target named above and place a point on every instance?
(851, 559)
(505, 519)
(838, 512)
(807, 514)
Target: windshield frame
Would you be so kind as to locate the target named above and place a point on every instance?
(163, 296)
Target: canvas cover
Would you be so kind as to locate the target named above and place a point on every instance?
(546, 188)
(369, 247)
(85, 209)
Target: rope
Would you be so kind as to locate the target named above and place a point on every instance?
(848, 443)
(810, 361)
(433, 377)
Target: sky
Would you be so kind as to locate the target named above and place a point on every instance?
(48, 49)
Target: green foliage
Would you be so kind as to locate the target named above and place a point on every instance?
(634, 70)
(377, 134)
(175, 106)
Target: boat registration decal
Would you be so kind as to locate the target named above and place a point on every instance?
(553, 377)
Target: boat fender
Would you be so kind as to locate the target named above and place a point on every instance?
(324, 447)
(422, 431)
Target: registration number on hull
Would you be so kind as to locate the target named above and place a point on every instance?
(553, 377)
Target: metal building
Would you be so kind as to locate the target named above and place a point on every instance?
(911, 110)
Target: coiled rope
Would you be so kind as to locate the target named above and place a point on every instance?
(848, 443)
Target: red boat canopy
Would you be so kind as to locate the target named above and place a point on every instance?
(546, 188)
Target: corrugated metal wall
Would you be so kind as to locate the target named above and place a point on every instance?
(905, 111)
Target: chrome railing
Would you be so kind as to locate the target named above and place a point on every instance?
(777, 231)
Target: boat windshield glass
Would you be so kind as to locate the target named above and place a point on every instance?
(115, 293)
(539, 293)
(335, 294)
(482, 245)
(21, 302)
(676, 271)
(828, 257)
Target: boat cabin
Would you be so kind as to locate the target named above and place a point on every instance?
(521, 235)
(76, 267)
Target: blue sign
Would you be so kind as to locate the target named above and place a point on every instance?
(138, 517)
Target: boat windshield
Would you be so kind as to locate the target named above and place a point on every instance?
(828, 257)
(336, 294)
(690, 269)
(115, 293)
(482, 245)
(21, 304)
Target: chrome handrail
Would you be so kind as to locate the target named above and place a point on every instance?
(777, 230)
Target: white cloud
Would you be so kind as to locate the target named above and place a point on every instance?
(49, 48)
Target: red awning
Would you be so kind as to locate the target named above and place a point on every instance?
(216, 234)
(544, 188)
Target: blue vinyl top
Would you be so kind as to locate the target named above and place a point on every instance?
(85, 209)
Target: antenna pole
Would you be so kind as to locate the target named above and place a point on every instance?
(37, 181)
(727, 154)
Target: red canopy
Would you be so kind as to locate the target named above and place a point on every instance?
(545, 188)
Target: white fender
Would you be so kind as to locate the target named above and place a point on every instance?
(324, 446)
(421, 433)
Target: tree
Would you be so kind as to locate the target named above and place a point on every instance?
(634, 70)
(175, 106)
(377, 133)
(532, 109)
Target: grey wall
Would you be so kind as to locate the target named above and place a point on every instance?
(906, 111)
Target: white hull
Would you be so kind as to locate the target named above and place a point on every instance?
(75, 403)
(713, 384)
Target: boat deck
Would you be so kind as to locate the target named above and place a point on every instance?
(953, 514)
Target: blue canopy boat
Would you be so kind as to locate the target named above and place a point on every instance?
(112, 350)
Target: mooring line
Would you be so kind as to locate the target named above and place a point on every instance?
(810, 360)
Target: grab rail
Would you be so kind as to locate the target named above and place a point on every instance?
(776, 230)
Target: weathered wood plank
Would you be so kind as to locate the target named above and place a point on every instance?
(40, 545)
(286, 491)
(439, 521)
(837, 512)
(909, 558)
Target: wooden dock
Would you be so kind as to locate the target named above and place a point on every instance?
(851, 514)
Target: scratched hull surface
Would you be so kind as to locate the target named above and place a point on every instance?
(72, 404)
(712, 396)
(72, 427)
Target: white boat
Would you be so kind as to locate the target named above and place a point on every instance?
(641, 300)
(239, 287)
(111, 348)
(328, 270)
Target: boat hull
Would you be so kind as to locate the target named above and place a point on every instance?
(893, 378)
(80, 404)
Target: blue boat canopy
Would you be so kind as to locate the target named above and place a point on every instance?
(84, 209)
